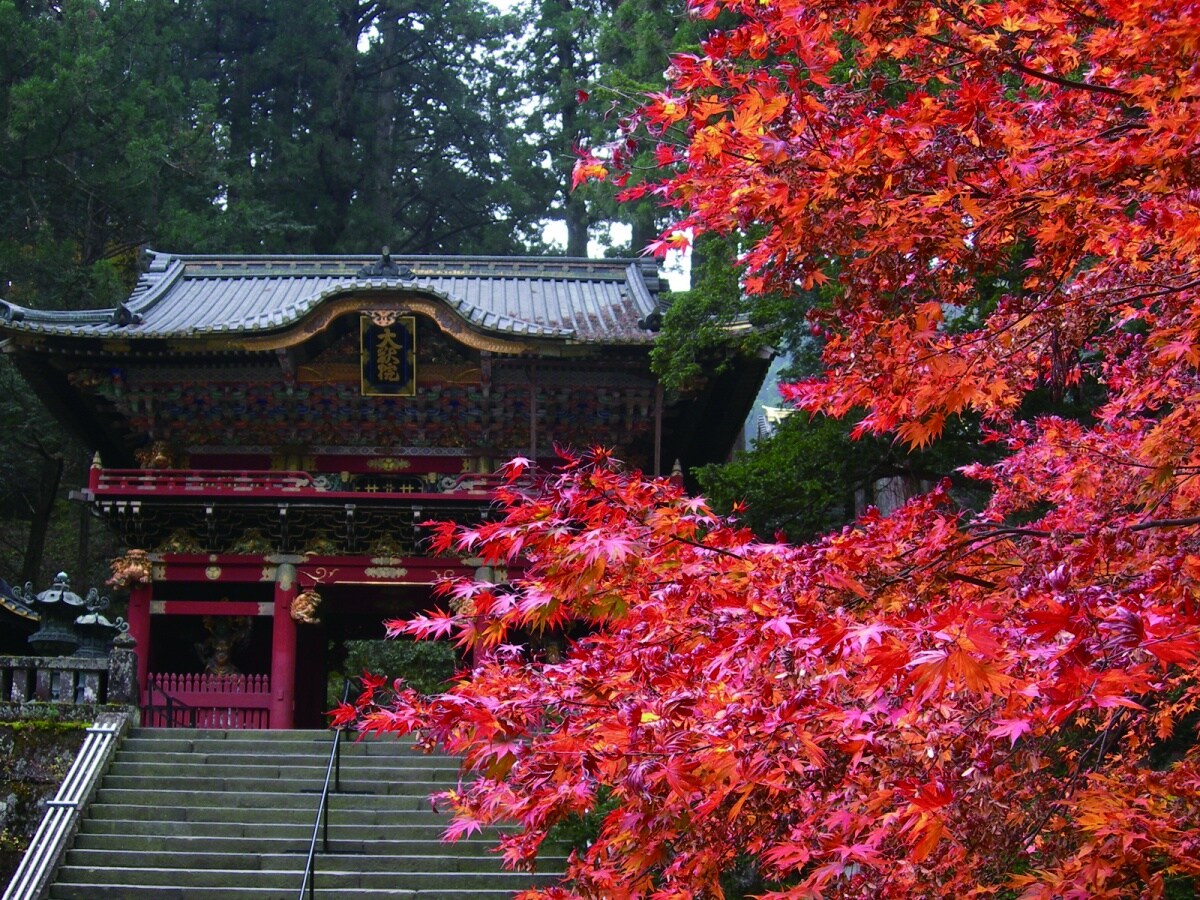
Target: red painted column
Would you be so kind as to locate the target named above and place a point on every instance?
(487, 574)
(138, 618)
(283, 649)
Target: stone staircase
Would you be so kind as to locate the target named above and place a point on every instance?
(193, 815)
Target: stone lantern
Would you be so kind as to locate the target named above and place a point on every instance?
(57, 607)
(95, 631)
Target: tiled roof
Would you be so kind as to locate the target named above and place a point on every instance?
(598, 301)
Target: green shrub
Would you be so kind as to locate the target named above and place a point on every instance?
(424, 665)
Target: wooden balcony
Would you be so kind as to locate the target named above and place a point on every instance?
(129, 484)
(255, 512)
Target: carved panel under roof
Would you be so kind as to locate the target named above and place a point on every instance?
(190, 414)
(465, 399)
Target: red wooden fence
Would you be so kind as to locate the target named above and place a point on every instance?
(207, 701)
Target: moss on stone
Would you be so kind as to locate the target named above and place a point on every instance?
(35, 754)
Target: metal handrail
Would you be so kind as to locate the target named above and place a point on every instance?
(62, 813)
(171, 704)
(321, 826)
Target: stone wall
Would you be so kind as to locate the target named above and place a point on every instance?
(45, 706)
(38, 743)
(35, 754)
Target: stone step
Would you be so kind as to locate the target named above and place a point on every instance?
(428, 829)
(265, 736)
(304, 746)
(351, 784)
(236, 734)
(247, 858)
(407, 760)
(275, 771)
(106, 817)
(215, 815)
(262, 799)
(347, 873)
(158, 892)
(372, 841)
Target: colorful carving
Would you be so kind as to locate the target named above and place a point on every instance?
(181, 541)
(322, 544)
(198, 414)
(304, 605)
(389, 464)
(253, 541)
(387, 547)
(131, 569)
(157, 456)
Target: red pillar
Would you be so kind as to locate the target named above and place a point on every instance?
(487, 574)
(283, 649)
(138, 618)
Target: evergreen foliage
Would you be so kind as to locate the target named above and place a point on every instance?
(290, 126)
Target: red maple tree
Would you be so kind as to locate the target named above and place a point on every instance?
(940, 702)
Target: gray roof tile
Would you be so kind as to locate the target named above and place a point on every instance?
(582, 300)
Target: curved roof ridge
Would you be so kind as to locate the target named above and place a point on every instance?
(603, 261)
(143, 300)
(15, 312)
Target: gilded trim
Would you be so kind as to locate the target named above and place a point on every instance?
(430, 373)
(322, 317)
(388, 464)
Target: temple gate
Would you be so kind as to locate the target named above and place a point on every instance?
(272, 431)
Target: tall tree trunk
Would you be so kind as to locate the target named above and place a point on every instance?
(381, 174)
(49, 476)
(644, 227)
(237, 36)
(340, 175)
(577, 226)
(575, 211)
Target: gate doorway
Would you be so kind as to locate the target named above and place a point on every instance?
(350, 638)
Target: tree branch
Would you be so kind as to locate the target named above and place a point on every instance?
(1031, 72)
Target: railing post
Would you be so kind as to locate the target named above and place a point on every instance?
(333, 772)
(325, 827)
(94, 473)
(337, 762)
(22, 685)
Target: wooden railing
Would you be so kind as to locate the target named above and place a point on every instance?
(210, 701)
(131, 483)
(200, 481)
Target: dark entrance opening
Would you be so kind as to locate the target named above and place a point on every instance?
(327, 652)
(184, 644)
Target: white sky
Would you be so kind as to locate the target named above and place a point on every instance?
(676, 267)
